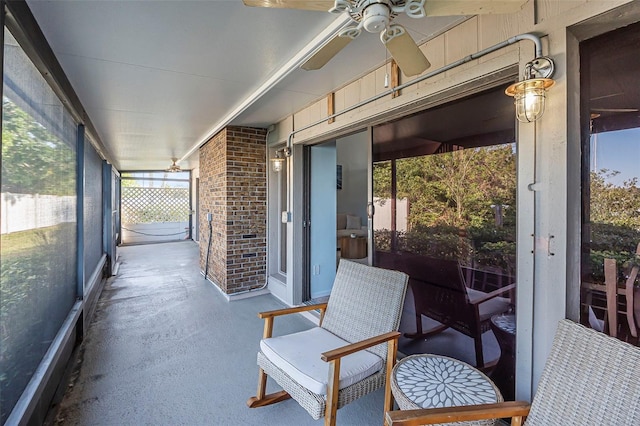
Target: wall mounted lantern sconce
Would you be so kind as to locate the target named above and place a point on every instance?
(530, 93)
(277, 163)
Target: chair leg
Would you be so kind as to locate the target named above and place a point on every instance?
(331, 408)
(423, 335)
(262, 383)
(479, 355)
(392, 351)
(260, 400)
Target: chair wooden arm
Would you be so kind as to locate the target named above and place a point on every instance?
(293, 310)
(494, 293)
(515, 409)
(358, 346)
(268, 316)
(334, 357)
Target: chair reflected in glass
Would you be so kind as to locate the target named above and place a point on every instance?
(621, 301)
(442, 290)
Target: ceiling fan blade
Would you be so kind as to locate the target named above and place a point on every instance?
(407, 54)
(326, 52)
(471, 7)
(615, 109)
(319, 5)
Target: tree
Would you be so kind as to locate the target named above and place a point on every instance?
(458, 188)
(614, 222)
(616, 205)
(33, 159)
(452, 201)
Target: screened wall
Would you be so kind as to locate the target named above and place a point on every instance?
(93, 249)
(38, 251)
(42, 286)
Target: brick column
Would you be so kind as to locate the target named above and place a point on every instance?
(233, 188)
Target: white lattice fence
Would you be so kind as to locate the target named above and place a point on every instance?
(151, 205)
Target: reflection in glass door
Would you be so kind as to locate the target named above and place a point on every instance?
(444, 188)
(611, 182)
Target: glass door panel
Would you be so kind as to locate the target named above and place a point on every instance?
(611, 182)
(444, 191)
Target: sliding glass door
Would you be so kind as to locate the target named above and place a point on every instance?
(444, 192)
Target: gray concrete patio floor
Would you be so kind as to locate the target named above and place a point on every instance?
(166, 348)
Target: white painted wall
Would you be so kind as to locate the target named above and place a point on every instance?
(195, 208)
(382, 218)
(351, 152)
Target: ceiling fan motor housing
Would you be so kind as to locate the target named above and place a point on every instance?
(376, 16)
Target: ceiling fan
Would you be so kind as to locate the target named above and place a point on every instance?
(376, 16)
(173, 167)
(620, 110)
(610, 107)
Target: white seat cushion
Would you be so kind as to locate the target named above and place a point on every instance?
(298, 355)
(491, 307)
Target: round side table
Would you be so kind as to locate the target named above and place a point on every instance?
(504, 328)
(432, 381)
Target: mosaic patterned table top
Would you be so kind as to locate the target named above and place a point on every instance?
(432, 381)
(505, 322)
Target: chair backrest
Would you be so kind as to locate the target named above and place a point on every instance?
(588, 379)
(439, 292)
(438, 272)
(365, 301)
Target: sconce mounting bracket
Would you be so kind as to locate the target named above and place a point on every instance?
(541, 67)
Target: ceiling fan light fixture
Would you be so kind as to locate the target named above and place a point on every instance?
(376, 17)
(174, 167)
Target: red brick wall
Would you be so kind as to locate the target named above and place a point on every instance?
(233, 187)
(213, 200)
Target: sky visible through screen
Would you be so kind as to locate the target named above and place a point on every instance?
(619, 151)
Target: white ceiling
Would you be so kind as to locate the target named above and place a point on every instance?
(157, 78)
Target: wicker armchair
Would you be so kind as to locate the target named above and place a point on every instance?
(589, 379)
(357, 339)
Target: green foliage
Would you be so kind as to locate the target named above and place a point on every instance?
(33, 293)
(623, 259)
(615, 223)
(614, 205)
(34, 161)
(452, 199)
(440, 241)
(458, 188)
(501, 254)
(383, 239)
(382, 179)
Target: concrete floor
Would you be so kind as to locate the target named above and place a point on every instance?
(166, 348)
